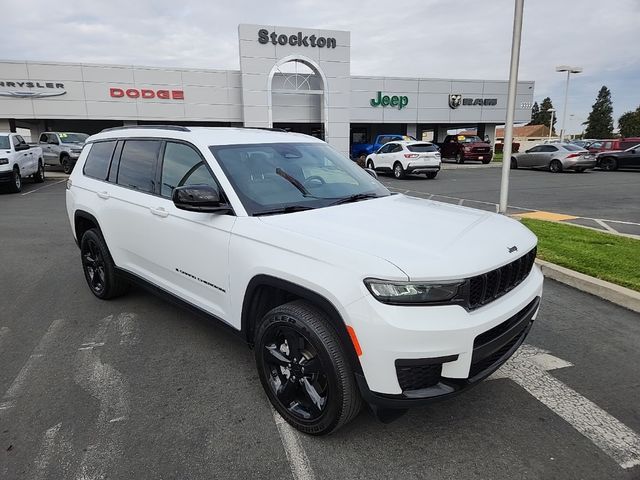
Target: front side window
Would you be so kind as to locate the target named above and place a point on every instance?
(43, 138)
(98, 159)
(137, 168)
(273, 176)
(182, 165)
(535, 150)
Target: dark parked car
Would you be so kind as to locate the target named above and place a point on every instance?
(466, 147)
(629, 158)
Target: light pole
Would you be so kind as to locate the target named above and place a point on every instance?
(569, 70)
(552, 110)
(511, 104)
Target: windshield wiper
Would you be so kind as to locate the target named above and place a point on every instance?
(288, 209)
(293, 181)
(354, 198)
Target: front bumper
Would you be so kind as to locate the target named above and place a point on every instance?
(481, 157)
(448, 337)
(6, 176)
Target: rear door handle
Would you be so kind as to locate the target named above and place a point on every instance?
(104, 195)
(161, 212)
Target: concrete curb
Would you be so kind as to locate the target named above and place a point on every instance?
(625, 297)
(456, 166)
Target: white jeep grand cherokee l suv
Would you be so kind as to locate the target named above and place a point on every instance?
(345, 291)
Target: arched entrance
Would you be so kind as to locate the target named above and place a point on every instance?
(298, 96)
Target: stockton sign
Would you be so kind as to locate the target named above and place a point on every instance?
(31, 89)
(146, 93)
(296, 40)
(389, 101)
(456, 99)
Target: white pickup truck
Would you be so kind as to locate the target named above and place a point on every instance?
(62, 148)
(19, 159)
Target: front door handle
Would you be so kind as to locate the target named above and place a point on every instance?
(160, 212)
(104, 195)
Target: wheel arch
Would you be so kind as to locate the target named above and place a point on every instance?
(83, 221)
(265, 292)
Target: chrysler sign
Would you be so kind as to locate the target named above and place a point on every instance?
(31, 89)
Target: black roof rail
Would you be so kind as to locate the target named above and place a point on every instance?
(176, 128)
(270, 129)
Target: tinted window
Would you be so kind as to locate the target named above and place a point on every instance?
(182, 165)
(138, 164)
(573, 148)
(422, 147)
(535, 150)
(384, 149)
(43, 138)
(395, 148)
(549, 148)
(97, 164)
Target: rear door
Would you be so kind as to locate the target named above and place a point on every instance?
(630, 158)
(543, 157)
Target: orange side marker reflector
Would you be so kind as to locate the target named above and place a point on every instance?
(354, 340)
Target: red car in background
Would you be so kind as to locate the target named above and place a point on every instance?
(613, 144)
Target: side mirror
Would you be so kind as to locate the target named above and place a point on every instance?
(371, 172)
(199, 198)
(22, 146)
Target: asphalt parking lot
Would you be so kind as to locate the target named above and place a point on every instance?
(138, 388)
(597, 199)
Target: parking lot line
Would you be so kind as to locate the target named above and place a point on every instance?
(45, 186)
(16, 387)
(298, 460)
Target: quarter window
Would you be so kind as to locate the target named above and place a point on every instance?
(182, 165)
(98, 160)
(137, 168)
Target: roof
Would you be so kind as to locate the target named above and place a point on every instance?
(207, 135)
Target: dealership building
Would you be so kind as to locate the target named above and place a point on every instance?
(298, 79)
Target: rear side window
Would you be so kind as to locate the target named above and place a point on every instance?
(422, 147)
(182, 165)
(137, 168)
(573, 148)
(98, 160)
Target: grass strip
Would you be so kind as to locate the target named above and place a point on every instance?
(602, 255)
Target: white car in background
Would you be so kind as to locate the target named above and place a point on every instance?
(406, 157)
(18, 159)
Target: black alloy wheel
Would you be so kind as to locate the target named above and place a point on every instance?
(67, 164)
(303, 369)
(99, 269)
(555, 166)
(609, 164)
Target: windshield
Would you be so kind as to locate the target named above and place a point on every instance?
(469, 139)
(67, 137)
(4, 142)
(273, 176)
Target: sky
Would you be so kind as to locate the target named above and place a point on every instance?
(422, 38)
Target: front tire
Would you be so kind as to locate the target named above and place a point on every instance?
(514, 164)
(459, 158)
(67, 164)
(304, 369)
(16, 181)
(370, 165)
(38, 177)
(99, 269)
(431, 175)
(398, 171)
(555, 166)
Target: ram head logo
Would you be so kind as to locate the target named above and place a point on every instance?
(455, 100)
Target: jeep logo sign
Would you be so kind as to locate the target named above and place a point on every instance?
(456, 99)
(298, 40)
(393, 101)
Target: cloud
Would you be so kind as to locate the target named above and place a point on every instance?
(422, 38)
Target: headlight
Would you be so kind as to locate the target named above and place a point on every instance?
(414, 293)
(4, 161)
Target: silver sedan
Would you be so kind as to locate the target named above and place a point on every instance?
(555, 157)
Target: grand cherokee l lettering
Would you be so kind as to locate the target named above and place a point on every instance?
(346, 292)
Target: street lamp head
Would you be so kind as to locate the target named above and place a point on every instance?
(567, 68)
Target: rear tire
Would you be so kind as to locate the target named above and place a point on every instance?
(16, 181)
(304, 369)
(514, 164)
(370, 165)
(38, 177)
(459, 158)
(555, 166)
(398, 171)
(99, 269)
(431, 175)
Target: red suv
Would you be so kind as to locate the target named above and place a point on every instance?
(613, 144)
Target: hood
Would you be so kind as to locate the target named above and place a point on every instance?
(427, 240)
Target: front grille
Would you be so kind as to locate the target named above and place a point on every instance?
(415, 377)
(494, 284)
(481, 149)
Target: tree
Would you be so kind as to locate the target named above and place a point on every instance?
(544, 118)
(535, 114)
(629, 123)
(600, 120)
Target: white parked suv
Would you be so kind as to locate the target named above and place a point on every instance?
(406, 157)
(345, 291)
